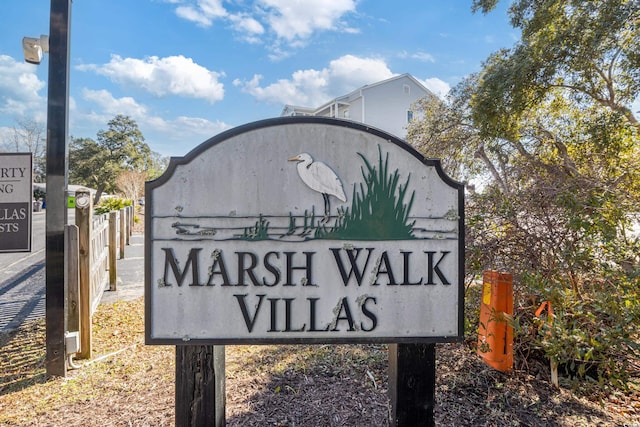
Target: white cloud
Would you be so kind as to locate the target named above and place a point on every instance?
(249, 27)
(203, 12)
(172, 75)
(305, 87)
(178, 136)
(19, 89)
(350, 72)
(439, 87)
(289, 21)
(112, 106)
(193, 129)
(212, 8)
(190, 13)
(292, 20)
(314, 87)
(420, 56)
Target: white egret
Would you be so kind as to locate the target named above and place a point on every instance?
(321, 178)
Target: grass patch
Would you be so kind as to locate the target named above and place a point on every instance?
(286, 385)
(108, 389)
(128, 383)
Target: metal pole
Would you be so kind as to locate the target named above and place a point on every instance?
(56, 219)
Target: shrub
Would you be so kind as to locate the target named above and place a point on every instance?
(111, 204)
(593, 335)
(589, 273)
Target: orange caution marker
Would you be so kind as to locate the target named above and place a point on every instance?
(495, 334)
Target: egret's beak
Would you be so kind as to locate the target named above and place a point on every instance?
(294, 159)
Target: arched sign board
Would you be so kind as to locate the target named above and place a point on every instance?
(304, 230)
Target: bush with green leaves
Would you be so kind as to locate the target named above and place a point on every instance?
(109, 204)
(593, 337)
(547, 134)
(559, 253)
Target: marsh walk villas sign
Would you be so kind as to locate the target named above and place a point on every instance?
(307, 230)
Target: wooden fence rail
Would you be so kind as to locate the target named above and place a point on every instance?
(99, 262)
(99, 237)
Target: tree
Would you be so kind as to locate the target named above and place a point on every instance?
(546, 132)
(119, 148)
(131, 183)
(554, 111)
(29, 136)
(589, 50)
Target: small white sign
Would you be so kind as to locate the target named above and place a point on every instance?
(304, 230)
(16, 197)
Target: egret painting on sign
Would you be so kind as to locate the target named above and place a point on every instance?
(304, 230)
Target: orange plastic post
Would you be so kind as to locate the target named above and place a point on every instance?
(495, 334)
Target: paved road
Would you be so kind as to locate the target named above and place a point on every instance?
(22, 278)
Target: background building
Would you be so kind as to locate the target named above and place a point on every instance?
(385, 105)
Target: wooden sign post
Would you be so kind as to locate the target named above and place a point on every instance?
(304, 230)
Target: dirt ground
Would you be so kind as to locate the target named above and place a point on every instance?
(129, 384)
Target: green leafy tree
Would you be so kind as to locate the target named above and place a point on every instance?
(546, 133)
(589, 50)
(121, 147)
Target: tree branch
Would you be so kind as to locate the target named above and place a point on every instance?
(481, 154)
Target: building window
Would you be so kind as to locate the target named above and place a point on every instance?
(407, 89)
(409, 116)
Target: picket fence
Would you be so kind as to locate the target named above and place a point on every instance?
(94, 244)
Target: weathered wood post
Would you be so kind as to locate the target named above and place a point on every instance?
(123, 231)
(129, 223)
(113, 246)
(84, 221)
(412, 384)
(132, 217)
(200, 386)
(72, 249)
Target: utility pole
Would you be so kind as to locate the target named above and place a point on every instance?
(57, 158)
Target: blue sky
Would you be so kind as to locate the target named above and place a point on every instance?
(186, 70)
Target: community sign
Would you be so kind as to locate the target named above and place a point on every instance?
(15, 202)
(303, 230)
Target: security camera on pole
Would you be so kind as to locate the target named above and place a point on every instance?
(34, 48)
